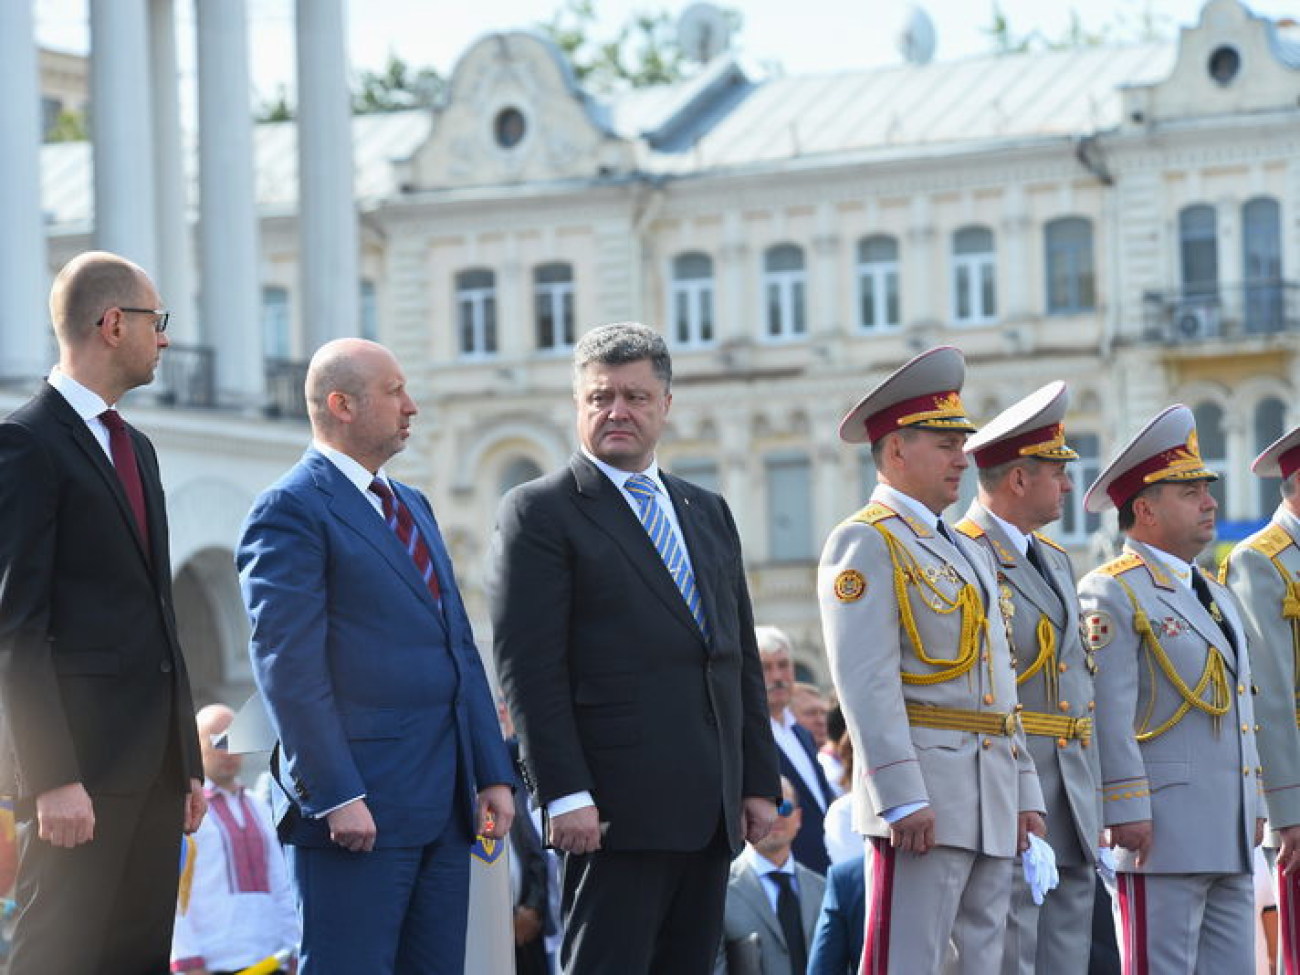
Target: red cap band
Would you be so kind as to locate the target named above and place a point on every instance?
(943, 405)
(1289, 461)
(1013, 448)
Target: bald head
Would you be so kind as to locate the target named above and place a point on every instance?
(89, 285)
(219, 764)
(337, 367)
(357, 400)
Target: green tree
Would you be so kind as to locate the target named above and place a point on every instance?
(70, 126)
(396, 88)
(275, 109)
(1142, 27)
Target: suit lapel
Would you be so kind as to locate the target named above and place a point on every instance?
(809, 906)
(1182, 600)
(428, 528)
(601, 502)
(694, 537)
(749, 888)
(1018, 570)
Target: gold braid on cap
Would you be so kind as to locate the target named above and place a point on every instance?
(1182, 463)
(945, 408)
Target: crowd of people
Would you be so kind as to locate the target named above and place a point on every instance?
(998, 736)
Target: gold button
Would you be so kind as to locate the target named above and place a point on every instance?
(1019, 708)
(1015, 752)
(1092, 705)
(988, 742)
(1241, 688)
(1245, 770)
(984, 658)
(988, 698)
(1245, 729)
(1061, 743)
(1083, 742)
(1062, 667)
(1064, 705)
(1257, 727)
(1259, 770)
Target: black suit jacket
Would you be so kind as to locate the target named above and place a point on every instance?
(612, 686)
(809, 845)
(91, 674)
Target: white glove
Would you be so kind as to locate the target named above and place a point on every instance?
(1106, 864)
(1039, 863)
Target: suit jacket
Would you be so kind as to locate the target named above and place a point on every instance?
(613, 687)
(373, 690)
(836, 947)
(975, 783)
(1062, 685)
(93, 680)
(749, 911)
(810, 842)
(1263, 572)
(1199, 780)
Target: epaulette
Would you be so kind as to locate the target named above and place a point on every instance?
(969, 528)
(1270, 541)
(873, 513)
(1048, 542)
(1129, 560)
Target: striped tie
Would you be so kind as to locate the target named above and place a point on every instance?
(403, 525)
(666, 542)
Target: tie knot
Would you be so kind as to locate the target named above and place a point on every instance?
(641, 485)
(383, 490)
(112, 420)
(781, 879)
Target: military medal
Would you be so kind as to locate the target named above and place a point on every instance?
(850, 585)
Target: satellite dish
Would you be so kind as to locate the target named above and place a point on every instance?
(703, 32)
(916, 38)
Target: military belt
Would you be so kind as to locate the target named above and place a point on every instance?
(1056, 726)
(958, 719)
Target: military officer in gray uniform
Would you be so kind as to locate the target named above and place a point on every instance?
(1021, 458)
(1181, 793)
(944, 785)
(1263, 572)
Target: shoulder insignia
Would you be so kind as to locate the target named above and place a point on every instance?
(1270, 541)
(1048, 542)
(850, 586)
(873, 513)
(1097, 629)
(969, 528)
(1127, 561)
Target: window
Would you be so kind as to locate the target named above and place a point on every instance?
(784, 283)
(973, 276)
(1071, 287)
(1198, 248)
(691, 299)
(553, 292)
(878, 306)
(1214, 447)
(789, 508)
(518, 471)
(702, 471)
(476, 312)
(1270, 424)
(369, 312)
(1261, 241)
(275, 322)
(1076, 524)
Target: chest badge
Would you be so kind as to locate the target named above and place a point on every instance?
(850, 586)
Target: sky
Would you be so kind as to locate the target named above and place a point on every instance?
(802, 36)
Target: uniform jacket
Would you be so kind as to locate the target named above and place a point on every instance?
(613, 687)
(1199, 781)
(93, 680)
(371, 688)
(975, 783)
(1068, 770)
(1263, 572)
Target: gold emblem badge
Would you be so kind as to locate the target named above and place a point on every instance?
(1006, 599)
(850, 585)
(1098, 630)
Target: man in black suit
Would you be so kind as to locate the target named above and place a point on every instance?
(798, 750)
(105, 760)
(625, 646)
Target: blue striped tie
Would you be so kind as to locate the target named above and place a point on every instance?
(666, 542)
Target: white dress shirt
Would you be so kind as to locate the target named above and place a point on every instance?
(88, 405)
(783, 732)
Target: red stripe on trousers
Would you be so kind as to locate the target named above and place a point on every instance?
(1133, 920)
(875, 942)
(1288, 923)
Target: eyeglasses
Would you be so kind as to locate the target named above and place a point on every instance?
(161, 315)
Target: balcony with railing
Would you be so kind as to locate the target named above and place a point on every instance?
(285, 398)
(1221, 313)
(187, 380)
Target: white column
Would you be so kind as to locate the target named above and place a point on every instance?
(122, 114)
(24, 275)
(231, 292)
(173, 275)
(327, 221)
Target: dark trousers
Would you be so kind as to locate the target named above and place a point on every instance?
(105, 907)
(649, 913)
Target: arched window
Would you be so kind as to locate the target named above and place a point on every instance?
(878, 304)
(553, 294)
(784, 285)
(1071, 286)
(1270, 424)
(1213, 440)
(691, 299)
(476, 307)
(974, 276)
(518, 471)
(1261, 242)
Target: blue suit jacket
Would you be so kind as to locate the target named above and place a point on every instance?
(372, 689)
(837, 940)
(810, 843)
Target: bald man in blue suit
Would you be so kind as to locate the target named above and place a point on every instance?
(390, 757)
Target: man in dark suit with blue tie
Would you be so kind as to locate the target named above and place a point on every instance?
(390, 757)
(625, 646)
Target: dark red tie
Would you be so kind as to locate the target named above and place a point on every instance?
(123, 451)
(400, 521)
